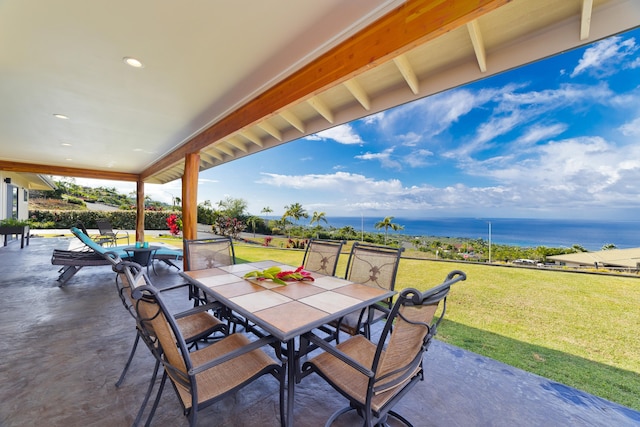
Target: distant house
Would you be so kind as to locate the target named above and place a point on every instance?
(14, 192)
(617, 259)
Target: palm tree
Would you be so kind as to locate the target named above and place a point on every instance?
(266, 211)
(386, 224)
(316, 218)
(295, 211)
(252, 221)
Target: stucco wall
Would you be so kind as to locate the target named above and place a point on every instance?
(23, 195)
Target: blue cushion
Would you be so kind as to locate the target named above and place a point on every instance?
(169, 252)
(96, 247)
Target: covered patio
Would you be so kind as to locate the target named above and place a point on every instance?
(63, 350)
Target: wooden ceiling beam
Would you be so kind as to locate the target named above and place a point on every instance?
(235, 142)
(413, 23)
(358, 93)
(271, 130)
(226, 149)
(478, 44)
(251, 136)
(402, 62)
(293, 120)
(322, 108)
(585, 22)
(67, 171)
(212, 152)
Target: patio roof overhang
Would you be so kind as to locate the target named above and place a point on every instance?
(225, 80)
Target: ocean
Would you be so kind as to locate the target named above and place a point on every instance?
(590, 234)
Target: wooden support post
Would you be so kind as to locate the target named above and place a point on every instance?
(140, 210)
(190, 196)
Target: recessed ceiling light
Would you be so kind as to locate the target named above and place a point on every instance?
(132, 62)
(69, 160)
(65, 144)
(61, 116)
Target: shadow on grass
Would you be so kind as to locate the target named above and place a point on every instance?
(611, 383)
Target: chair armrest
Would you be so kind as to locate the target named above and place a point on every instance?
(174, 287)
(254, 345)
(337, 353)
(198, 309)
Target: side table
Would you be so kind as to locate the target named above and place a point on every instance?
(143, 256)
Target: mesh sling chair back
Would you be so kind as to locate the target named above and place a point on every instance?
(194, 324)
(321, 256)
(206, 375)
(107, 235)
(201, 254)
(375, 266)
(374, 377)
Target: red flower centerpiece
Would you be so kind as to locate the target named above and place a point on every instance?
(277, 275)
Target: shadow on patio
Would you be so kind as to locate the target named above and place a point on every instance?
(64, 348)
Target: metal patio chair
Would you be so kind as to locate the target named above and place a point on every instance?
(206, 375)
(206, 253)
(195, 325)
(376, 376)
(375, 266)
(321, 256)
(107, 235)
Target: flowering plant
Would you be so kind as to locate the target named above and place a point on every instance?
(175, 224)
(278, 276)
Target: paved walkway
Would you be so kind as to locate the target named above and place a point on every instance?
(63, 348)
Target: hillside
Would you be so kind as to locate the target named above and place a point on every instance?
(69, 196)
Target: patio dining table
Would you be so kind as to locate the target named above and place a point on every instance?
(284, 311)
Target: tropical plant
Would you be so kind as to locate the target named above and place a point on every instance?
(316, 218)
(228, 226)
(387, 223)
(13, 222)
(174, 223)
(266, 211)
(253, 221)
(232, 207)
(295, 211)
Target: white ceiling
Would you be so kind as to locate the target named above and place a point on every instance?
(201, 59)
(204, 59)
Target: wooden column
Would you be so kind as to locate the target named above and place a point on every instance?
(190, 196)
(140, 210)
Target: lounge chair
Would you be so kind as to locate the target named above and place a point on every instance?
(93, 255)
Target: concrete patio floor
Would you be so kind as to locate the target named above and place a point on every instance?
(62, 349)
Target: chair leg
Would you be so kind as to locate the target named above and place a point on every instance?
(155, 403)
(148, 394)
(126, 366)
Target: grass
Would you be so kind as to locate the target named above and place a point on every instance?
(577, 329)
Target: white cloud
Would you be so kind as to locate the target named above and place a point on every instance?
(343, 134)
(384, 158)
(604, 57)
(514, 110)
(578, 171)
(417, 158)
(410, 139)
(374, 118)
(430, 116)
(631, 128)
(342, 182)
(537, 133)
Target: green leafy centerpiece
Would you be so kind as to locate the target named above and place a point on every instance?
(277, 275)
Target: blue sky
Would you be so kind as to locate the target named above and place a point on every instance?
(555, 139)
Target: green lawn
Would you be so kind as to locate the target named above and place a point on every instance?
(578, 329)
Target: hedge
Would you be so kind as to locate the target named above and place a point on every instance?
(120, 220)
